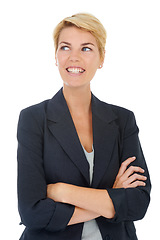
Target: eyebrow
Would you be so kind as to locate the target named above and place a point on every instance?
(83, 44)
(65, 43)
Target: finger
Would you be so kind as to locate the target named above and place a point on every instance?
(131, 170)
(137, 184)
(124, 165)
(136, 177)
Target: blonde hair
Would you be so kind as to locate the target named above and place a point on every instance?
(86, 22)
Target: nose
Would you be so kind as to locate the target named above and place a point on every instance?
(74, 56)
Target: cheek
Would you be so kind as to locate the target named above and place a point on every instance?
(94, 61)
(94, 65)
(61, 59)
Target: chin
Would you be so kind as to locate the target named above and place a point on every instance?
(76, 84)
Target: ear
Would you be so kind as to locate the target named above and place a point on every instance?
(102, 60)
(100, 66)
(56, 61)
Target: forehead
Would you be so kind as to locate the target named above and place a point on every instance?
(75, 35)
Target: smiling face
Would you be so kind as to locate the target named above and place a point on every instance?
(77, 57)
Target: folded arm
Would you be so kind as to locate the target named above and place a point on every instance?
(91, 203)
(36, 211)
(95, 202)
(129, 197)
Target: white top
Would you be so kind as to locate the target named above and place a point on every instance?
(90, 228)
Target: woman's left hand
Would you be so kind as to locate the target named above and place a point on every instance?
(131, 177)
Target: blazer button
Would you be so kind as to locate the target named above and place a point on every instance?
(107, 237)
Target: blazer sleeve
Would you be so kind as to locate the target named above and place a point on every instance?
(36, 210)
(131, 204)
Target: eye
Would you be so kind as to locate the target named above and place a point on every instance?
(86, 49)
(65, 48)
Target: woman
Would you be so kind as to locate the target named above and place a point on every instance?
(81, 170)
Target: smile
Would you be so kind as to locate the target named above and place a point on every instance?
(75, 70)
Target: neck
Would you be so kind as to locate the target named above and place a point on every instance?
(78, 99)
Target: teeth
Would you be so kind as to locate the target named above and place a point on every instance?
(75, 70)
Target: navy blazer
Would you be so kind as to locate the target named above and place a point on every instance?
(49, 151)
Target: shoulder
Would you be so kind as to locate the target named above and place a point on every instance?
(39, 110)
(121, 112)
(32, 118)
(122, 117)
(35, 110)
(114, 110)
(125, 117)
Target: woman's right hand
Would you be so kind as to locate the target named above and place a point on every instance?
(129, 178)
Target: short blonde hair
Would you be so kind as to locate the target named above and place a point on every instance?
(86, 22)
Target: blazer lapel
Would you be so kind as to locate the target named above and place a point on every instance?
(62, 127)
(104, 134)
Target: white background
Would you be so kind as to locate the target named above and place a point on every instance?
(130, 78)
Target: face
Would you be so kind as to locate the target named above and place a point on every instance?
(77, 57)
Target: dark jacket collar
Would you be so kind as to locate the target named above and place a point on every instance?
(104, 134)
(57, 108)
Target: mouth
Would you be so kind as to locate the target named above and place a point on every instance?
(75, 70)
